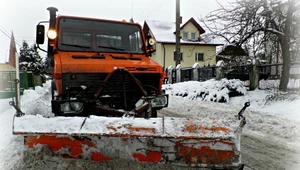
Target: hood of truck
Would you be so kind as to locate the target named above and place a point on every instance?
(94, 63)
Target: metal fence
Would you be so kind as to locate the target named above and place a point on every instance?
(242, 72)
(206, 73)
(186, 74)
(7, 82)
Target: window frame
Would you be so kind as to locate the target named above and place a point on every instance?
(193, 33)
(197, 57)
(185, 35)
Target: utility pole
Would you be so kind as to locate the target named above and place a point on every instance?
(177, 52)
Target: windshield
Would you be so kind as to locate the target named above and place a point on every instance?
(98, 36)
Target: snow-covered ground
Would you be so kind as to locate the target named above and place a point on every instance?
(273, 123)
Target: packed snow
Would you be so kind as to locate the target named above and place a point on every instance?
(210, 90)
(272, 116)
(103, 126)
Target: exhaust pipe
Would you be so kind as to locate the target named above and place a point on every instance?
(52, 24)
(52, 11)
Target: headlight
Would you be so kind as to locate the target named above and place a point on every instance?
(151, 41)
(51, 34)
(159, 101)
(71, 107)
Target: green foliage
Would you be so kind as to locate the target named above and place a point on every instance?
(30, 59)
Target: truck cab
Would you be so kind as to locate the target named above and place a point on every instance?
(101, 67)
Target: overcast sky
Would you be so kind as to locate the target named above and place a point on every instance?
(21, 17)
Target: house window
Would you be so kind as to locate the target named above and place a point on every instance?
(175, 56)
(193, 36)
(199, 57)
(185, 35)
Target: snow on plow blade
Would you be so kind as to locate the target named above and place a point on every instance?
(181, 141)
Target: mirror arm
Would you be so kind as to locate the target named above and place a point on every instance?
(43, 22)
(41, 48)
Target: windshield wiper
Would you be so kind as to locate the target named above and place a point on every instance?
(113, 48)
(117, 49)
(80, 46)
(85, 48)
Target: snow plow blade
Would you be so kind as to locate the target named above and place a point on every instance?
(180, 141)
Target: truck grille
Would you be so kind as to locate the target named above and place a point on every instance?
(95, 80)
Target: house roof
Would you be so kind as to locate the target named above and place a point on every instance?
(193, 21)
(231, 49)
(163, 32)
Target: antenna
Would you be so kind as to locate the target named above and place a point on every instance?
(131, 11)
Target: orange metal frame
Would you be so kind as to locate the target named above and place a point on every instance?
(64, 63)
(189, 155)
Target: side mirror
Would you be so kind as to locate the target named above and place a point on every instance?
(40, 34)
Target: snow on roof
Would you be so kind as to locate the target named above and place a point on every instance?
(226, 49)
(223, 47)
(164, 32)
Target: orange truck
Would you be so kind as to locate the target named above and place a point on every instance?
(106, 92)
(101, 67)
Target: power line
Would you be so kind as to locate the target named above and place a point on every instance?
(7, 32)
(204, 4)
(156, 8)
(150, 11)
(144, 11)
(7, 35)
(10, 37)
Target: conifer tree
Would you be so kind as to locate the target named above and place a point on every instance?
(30, 59)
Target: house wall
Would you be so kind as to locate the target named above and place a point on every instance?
(189, 28)
(6, 67)
(158, 56)
(189, 52)
(6, 75)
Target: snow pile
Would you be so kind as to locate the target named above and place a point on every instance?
(103, 126)
(37, 101)
(210, 90)
(258, 121)
(271, 102)
(271, 84)
(94, 125)
(276, 95)
(4, 103)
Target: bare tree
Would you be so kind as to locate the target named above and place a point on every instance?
(252, 23)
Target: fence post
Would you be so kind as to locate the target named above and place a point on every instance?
(195, 68)
(254, 74)
(178, 73)
(169, 72)
(220, 70)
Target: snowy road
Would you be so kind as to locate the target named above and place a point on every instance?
(264, 153)
(268, 142)
(265, 148)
